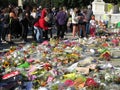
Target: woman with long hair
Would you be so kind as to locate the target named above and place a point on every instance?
(75, 20)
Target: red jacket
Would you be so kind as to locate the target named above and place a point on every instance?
(37, 24)
(43, 24)
(43, 13)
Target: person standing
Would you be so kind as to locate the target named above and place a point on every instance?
(5, 24)
(25, 24)
(1, 25)
(34, 13)
(88, 16)
(93, 24)
(50, 22)
(82, 23)
(75, 20)
(61, 19)
(11, 29)
(65, 9)
(14, 25)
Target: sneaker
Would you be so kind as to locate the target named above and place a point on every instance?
(85, 38)
(23, 41)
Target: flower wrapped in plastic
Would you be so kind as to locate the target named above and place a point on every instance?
(90, 82)
(79, 82)
(109, 77)
(86, 61)
(106, 55)
(69, 83)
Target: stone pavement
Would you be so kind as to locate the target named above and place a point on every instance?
(5, 46)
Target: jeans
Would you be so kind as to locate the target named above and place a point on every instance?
(38, 34)
(88, 28)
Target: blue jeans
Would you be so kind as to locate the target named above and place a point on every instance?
(88, 28)
(38, 34)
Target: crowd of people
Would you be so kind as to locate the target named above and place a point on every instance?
(15, 23)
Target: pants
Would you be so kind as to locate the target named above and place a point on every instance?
(45, 34)
(50, 32)
(24, 32)
(4, 33)
(92, 32)
(38, 34)
(61, 31)
(87, 28)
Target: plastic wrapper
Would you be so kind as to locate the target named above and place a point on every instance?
(79, 82)
(60, 65)
(86, 61)
(83, 70)
(43, 88)
(69, 83)
(72, 67)
(90, 82)
(115, 54)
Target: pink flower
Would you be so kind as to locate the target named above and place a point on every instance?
(45, 43)
(115, 41)
(91, 82)
(69, 83)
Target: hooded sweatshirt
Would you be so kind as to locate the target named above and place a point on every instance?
(43, 24)
(43, 13)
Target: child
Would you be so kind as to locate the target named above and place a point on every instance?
(93, 24)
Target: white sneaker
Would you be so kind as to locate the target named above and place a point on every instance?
(85, 38)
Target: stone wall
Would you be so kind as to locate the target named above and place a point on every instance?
(100, 8)
(114, 17)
